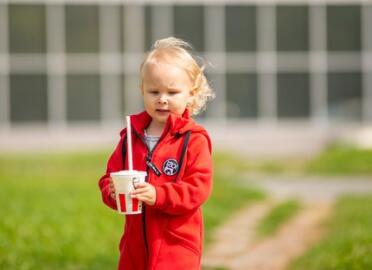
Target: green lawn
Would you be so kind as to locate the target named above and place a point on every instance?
(52, 216)
(348, 244)
(335, 160)
(278, 215)
(341, 159)
(228, 196)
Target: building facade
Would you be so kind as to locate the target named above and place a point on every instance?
(74, 62)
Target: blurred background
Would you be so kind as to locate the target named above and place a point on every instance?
(301, 69)
(291, 122)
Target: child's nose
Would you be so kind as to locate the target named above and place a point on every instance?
(162, 99)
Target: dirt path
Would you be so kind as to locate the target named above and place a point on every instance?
(235, 236)
(291, 241)
(235, 246)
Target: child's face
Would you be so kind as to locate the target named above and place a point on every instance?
(165, 88)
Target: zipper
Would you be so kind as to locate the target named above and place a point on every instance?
(144, 229)
(149, 163)
(151, 166)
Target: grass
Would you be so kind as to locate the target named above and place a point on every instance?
(342, 159)
(348, 244)
(226, 199)
(278, 215)
(336, 160)
(52, 216)
(242, 164)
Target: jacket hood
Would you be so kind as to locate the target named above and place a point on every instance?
(176, 124)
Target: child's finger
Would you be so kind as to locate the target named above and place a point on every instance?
(140, 185)
(140, 191)
(146, 198)
(141, 196)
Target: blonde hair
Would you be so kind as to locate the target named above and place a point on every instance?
(177, 51)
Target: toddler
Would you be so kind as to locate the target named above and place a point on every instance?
(176, 153)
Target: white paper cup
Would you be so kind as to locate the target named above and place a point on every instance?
(124, 183)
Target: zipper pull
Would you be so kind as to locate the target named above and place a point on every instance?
(152, 166)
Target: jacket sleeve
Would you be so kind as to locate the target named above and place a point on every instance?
(114, 164)
(194, 188)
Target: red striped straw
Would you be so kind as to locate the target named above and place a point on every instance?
(129, 143)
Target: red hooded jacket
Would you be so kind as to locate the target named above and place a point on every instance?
(169, 234)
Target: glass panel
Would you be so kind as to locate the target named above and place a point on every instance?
(344, 95)
(28, 98)
(121, 28)
(83, 97)
(367, 26)
(292, 29)
(189, 25)
(240, 33)
(293, 95)
(27, 30)
(343, 28)
(82, 29)
(148, 27)
(241, 95)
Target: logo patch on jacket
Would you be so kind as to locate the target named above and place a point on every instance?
(170, 167)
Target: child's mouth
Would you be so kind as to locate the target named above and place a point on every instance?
(162, 111)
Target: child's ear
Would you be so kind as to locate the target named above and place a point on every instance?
(192, 92)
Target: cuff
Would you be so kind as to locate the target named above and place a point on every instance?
(160, 197)
(107, 198)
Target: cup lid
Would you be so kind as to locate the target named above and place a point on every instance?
(127, 172)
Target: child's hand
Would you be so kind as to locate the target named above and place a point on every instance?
(112, 189)
(144, 192)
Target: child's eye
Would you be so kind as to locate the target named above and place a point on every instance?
(153, 92)
(173, 92)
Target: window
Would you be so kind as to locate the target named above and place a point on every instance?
(82, 29)
(121, 28)
(344, 95)
(27, 30)
(241, 95)
(240, 29)
(189, 25)
(343, 28)
(292, 29)
(83, 97)
(28, 98)
(293, 95)
(148, 27)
